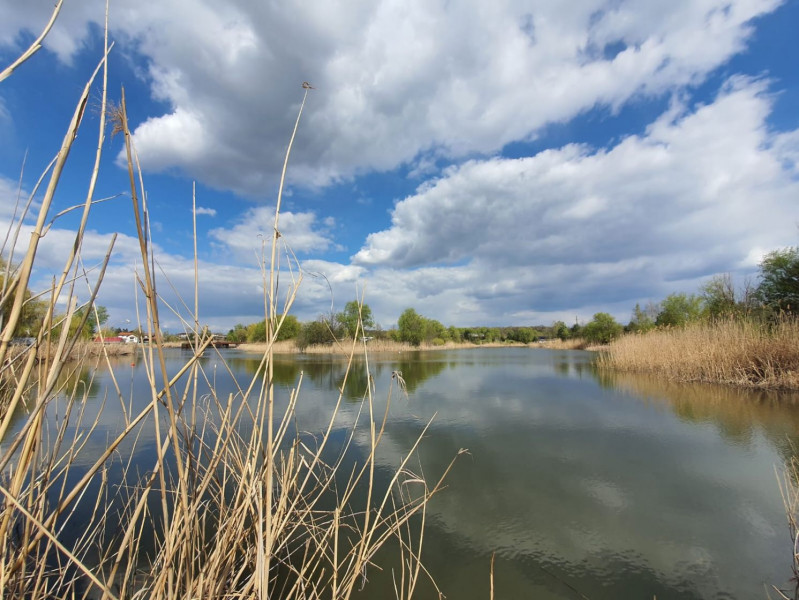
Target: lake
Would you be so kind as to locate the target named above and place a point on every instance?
(580, 484)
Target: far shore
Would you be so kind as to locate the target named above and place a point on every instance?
(345, 347)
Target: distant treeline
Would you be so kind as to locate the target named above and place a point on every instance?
(412, 328)
(777, 294)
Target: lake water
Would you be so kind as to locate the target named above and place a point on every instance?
(581, 484)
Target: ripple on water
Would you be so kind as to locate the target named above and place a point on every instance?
(608, 494)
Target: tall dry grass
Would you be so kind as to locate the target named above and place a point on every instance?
(738, 352)
(789, 488)
(236, 503)
(569, 344)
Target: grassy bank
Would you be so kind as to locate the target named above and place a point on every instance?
(734, 352)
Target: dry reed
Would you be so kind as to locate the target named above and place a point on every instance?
(569, 344)
(736, 352)
(236, 502)
(789, 488)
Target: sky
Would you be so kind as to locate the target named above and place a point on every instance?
(486, 163)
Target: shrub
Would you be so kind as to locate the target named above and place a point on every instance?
(602, 329)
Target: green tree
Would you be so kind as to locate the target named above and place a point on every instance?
(411, 327)
(779, 280)
(90, 328)
(238, 334)
(33, 311)
(290, 328)
(718, 297)
(493, 334)
(352, 314)
(525, 335)
(100, 319)
(256, 332)
(314, 332)
(455, 334)
(560, 331)
(602, 329)
(677, 310)
(434, 330)
(643, 319)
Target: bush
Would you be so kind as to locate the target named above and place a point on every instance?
(677, 310)
(314, 332)
(602, 329)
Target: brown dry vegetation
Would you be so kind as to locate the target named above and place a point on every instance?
(789, 488)
(569, 344)
(736, 352)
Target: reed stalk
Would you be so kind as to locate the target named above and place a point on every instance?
(35, 46)
(788, 481)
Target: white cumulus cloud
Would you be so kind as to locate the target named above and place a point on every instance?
(395, 81)
(699, 193)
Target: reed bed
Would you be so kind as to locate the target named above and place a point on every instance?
(735, 352)
(558, 344)
(237, 502)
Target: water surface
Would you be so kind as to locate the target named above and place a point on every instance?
(582, 485)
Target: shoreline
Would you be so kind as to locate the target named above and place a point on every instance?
(344, 347)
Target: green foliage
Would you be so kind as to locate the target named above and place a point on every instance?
(256, 332)
(525, 335)
(677, 310)
(643, 319)
(560, 331)
(33, 311)
(493, 334)
(238, 334)
(718, 297)
(352, 314)
(314, 332)
(411, 327)
(454, 334)
(90, 328)
(602, 329)
(779, 280)
(32, 316)
(433, 329)
(290, 328)
(437, 342)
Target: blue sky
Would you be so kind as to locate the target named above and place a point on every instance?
(502, 163)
